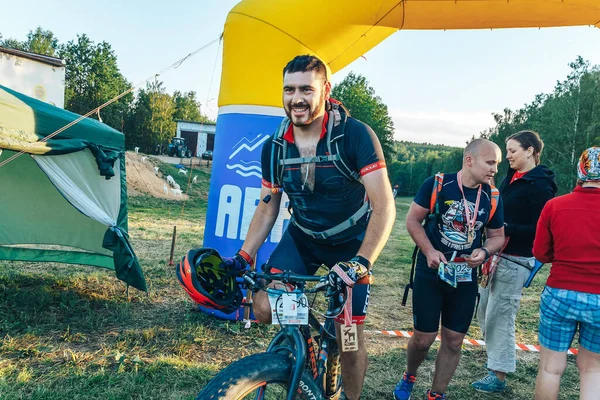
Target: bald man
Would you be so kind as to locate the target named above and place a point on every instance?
(451, 239)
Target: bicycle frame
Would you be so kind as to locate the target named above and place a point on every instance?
(300, 345)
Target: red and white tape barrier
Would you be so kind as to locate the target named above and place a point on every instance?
(471, 342)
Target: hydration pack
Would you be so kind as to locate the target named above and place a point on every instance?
(336, 129)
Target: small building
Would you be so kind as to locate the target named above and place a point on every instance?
(200, 136)
(35, 75)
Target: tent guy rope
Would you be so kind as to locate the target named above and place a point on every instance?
(174, 65)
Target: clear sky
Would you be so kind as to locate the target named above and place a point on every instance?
(440, 86)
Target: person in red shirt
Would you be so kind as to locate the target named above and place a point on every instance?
(567, 236)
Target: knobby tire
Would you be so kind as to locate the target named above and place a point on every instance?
(244, 377)
(334, 373)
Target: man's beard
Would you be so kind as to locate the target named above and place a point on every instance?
(313, 114)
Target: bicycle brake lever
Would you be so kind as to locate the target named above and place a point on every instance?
(320, 286)
(251, 282)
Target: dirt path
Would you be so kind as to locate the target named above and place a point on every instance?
(184, 161)
(141, 178)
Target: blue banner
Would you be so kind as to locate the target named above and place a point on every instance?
(236, 182)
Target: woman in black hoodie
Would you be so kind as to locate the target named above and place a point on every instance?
(525, 190)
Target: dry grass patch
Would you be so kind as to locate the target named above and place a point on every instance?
(72, 332)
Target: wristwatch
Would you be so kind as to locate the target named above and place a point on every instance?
(487, 253)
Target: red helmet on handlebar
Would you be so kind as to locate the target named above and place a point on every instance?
(202, 275)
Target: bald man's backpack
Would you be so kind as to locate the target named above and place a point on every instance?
(434, 214)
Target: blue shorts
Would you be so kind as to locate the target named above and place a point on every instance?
(298, 253)
(561, 311)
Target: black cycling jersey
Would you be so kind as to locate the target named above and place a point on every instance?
(334, 197)
(447, 233)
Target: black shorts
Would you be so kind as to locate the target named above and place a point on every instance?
(298, 253)
(432, 297)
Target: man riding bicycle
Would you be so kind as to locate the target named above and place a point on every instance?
(332, 168)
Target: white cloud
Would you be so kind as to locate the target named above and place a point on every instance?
(440, 127)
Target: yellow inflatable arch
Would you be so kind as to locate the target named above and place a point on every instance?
(261, 36)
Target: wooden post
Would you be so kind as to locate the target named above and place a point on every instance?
(248, 306)
(248, 301)
(173, 245)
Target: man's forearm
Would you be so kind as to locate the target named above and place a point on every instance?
(260, 226)
(494, 244)
(418, 235)
(378, 232)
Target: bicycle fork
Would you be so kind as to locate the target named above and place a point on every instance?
(298, 349)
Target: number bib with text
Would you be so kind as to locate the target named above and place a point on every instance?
(289, 308)
(464, 273)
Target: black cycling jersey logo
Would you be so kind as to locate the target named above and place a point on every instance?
(454, 224)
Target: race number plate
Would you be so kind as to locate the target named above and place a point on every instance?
(289, 308)
(464, 273)
(349, 338)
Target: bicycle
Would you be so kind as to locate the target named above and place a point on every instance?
(297, 364)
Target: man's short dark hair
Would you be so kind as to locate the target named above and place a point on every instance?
(306, 63)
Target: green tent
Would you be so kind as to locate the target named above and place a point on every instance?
(64, 199)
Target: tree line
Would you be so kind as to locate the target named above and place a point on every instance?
(568, 118)
(93, 77)
(409, 164)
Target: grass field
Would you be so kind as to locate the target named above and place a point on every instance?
(71, 332)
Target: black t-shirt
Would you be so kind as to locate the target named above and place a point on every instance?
(448, 232)
(334, 197)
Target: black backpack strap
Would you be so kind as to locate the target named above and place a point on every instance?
(336, 130)
(412, 276)
(336, 127)
(278, 151)
(434, 211)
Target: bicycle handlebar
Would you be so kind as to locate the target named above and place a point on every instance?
(252, 277)
(336, 304)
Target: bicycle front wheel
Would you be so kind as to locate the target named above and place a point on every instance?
(263, 376)
(333, 377)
